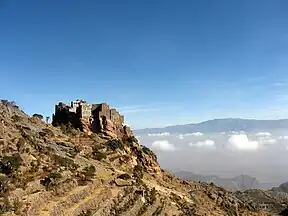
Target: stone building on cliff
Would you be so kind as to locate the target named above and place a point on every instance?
(98, 116)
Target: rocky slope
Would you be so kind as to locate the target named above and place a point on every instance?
(274, 200)
(46, 170)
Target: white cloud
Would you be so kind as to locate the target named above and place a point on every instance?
(160, 134)
(205, 143)
(163, 145)
(267, 141)
(181, 136)
(283, 137)
(263, 134)
(241, 142)
(223, 133)
(196, 134)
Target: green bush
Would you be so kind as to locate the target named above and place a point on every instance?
(74, 151)
(9, 164)
(115, 144)
(138, 171)
(124, 176)
(16, 118)
(65, 162)
(38, 116)
(99, 155)
(48, 132)
(55, 175)
(86, 213)
(89, 172)
(147, 150)
(132, 139)
(67, 128)
(96, 154)
(4, 185)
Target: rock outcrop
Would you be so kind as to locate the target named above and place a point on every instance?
(47, 170)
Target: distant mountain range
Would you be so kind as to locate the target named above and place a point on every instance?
(241, 182)
(221, 125)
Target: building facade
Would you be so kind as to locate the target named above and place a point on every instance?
(96, 113)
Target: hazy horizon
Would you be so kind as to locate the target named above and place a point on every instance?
(262, 155)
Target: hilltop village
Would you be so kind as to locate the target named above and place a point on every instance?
(95, 118)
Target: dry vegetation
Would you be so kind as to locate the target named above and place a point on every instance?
(46, 170)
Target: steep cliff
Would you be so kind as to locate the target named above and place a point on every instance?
(46, 170)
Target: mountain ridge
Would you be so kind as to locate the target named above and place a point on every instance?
(240, 182)
(220, 125)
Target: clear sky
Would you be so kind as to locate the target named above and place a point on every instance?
(160, 62)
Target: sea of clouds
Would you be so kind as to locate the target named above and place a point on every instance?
(263, 155)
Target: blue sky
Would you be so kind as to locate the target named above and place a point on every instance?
(159, 62)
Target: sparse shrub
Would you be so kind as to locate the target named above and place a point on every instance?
(9, 164)
(17, 204)
(75, 151)
(6, 168)
(9, 103)
(138, 171)
(124, 176)
(42, 134)
(89, 172)
(46, 182)
(5, 102)
(38, 116)
(16, 118)
(4, 185)
(65, 162)
(5, 207)
(50, 181)
(153, 195)
(86, 175)
(99, 155)
(21, 143)
(48, 132)
(230, 210)
(96, 147)
(67, 128)
(54, 175)
(132, 139)
(115, 144)
(147, 150)
(86, 213)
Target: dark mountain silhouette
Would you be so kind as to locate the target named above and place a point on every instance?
(221, 125)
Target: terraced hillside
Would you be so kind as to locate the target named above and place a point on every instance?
(54, 171)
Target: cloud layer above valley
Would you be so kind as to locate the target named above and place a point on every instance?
(241, 142)
(163, 145)
(260, 154)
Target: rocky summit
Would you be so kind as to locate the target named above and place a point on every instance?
(84, 171)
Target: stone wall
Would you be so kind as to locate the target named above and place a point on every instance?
(98, 114)
(116, 118)
(85, 110)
